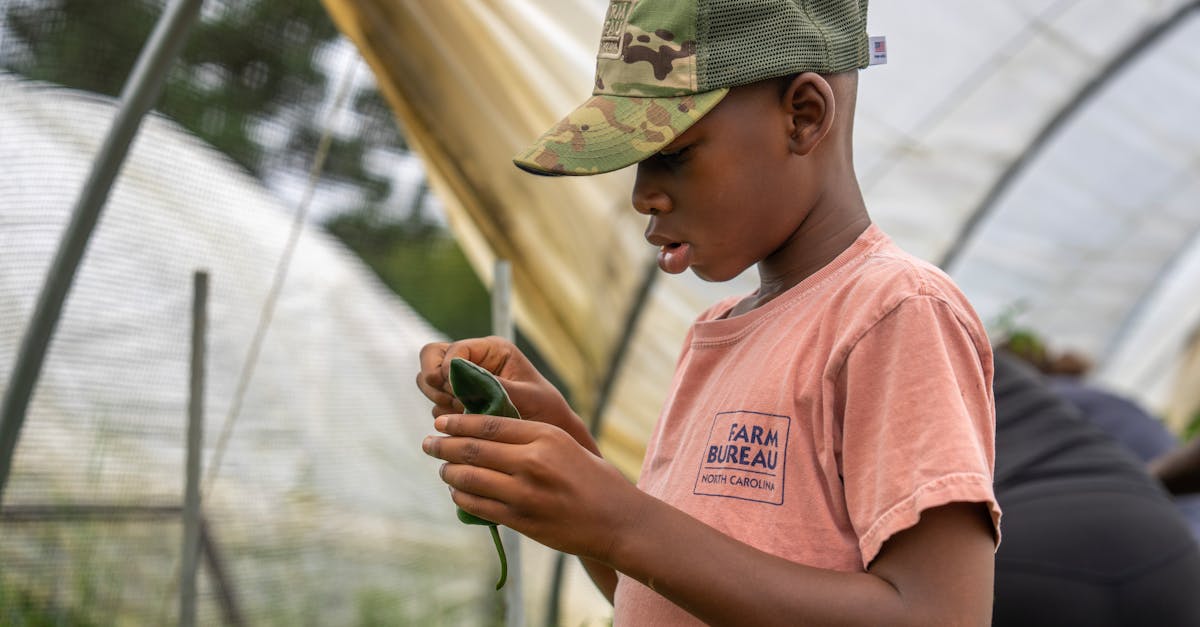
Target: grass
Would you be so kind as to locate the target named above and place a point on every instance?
(20, 607)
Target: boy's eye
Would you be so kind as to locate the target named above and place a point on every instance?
(676, 156)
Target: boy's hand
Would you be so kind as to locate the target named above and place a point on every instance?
(536, 479)
(534, 396)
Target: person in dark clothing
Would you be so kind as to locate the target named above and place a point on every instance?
(1089, 537)
(1146, 436)
(1176, 466)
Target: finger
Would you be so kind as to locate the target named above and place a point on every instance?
(484, 482)
(454, 407)
(494, 428)
(530, 398)
(433, 390)
(432, 378)
(491, 353)
(469, 451)
(481, 506)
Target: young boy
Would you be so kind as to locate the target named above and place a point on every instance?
(825, 455)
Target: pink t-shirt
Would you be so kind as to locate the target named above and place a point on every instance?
(819, 425)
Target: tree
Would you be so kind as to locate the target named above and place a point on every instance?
(247, 82)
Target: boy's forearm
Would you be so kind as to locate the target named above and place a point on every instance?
(725, 582)
(602, 575)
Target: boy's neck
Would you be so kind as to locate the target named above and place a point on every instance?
(832, 226)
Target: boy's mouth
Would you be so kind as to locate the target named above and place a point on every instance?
(675, 257)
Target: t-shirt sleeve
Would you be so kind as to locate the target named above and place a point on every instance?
(918, 420)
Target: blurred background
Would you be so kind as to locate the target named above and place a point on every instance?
(341, 169)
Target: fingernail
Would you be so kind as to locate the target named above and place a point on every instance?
(442, 471)
(439, 423)
(427, 443)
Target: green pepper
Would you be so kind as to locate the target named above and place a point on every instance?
(481, 393)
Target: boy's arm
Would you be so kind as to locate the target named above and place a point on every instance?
(938, 572)
(538, 480)
(603, 576)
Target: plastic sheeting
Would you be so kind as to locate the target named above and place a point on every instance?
(1047, 146)
(324, 509)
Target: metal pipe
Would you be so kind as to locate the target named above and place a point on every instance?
(222, 586)
(139, 94)
(502, 325)
(195, 442)
(91, 512)
(1101, 78)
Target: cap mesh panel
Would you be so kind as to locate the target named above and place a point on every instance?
(743, 41)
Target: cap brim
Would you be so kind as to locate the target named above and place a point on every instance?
(609, 132)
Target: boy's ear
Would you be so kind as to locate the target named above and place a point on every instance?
(810, 106)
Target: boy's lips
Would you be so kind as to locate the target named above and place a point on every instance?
(675, 257)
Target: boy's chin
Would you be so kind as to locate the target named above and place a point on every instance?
(713, 275)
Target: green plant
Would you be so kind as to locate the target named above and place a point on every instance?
(481, 393)
(20, 607)
(1192, 428)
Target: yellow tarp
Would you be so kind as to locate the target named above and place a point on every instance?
(474, 82)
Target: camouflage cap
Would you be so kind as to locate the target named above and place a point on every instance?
(663, 64)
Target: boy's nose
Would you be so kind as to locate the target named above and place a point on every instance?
(649, 199)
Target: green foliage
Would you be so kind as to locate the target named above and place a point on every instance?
(377, 608)
(84, 44)
(22, 608)
(248, 80)
(1192, 428)
(425, 266)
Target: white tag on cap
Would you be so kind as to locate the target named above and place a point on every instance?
(878, 47)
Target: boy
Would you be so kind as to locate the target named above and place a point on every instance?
(825, 455)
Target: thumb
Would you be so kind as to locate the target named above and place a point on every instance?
(534, 401)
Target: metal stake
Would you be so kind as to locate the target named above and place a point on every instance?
(195, 442)
(502, 325)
